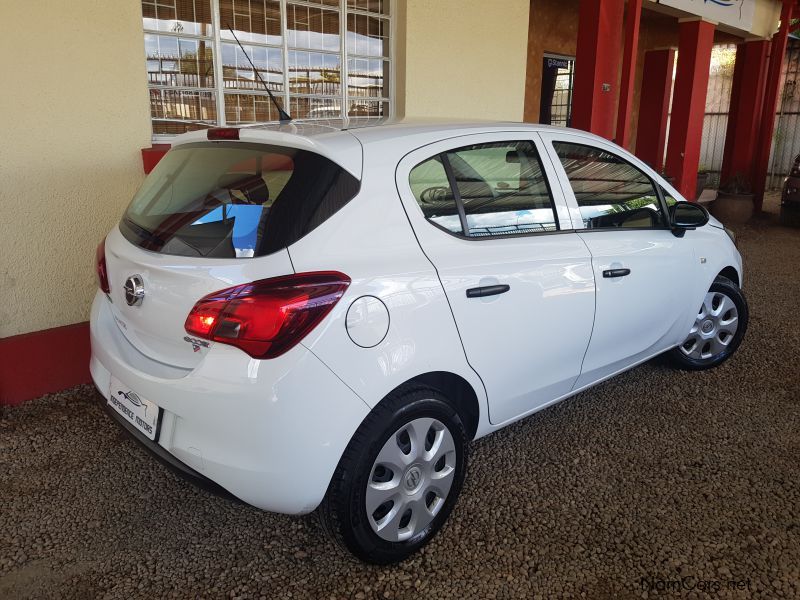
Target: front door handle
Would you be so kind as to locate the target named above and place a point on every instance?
(487, 290)
(616, 272)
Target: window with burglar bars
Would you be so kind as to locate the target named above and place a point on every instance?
(322, 59)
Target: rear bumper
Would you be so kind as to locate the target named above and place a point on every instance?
(167, 459)
(268, 432)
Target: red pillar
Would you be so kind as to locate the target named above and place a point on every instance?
(689, 104)
(744, 117)
(597, 60)
(632, 18)
(651, 134)
(776, 54)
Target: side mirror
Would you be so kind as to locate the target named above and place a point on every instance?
(687, 215)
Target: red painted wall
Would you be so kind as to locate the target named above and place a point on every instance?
(151, 156)
(597, 62)
(747, 95)
(651, 134)
(42, 362)
(689, 105)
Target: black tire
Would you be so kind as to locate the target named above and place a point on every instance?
(343, 512)
(721, 285)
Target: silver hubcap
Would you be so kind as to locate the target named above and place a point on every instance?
(410, 479)
(714, 327)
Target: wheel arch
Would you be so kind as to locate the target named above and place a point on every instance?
(732, 274)
(456, 389)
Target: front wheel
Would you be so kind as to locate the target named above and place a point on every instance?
(718, 329)
(398, 479)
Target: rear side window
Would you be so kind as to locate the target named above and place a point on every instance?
(611, 193)
(485, 190)
(234, 200)
(431, 188)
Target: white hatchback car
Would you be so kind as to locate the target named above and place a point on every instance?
(311, 317)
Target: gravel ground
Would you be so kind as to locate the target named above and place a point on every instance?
(651, 478)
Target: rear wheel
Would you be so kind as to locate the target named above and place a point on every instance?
(399, 478)
(718, 328)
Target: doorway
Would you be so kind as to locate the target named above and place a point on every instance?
(558, 73)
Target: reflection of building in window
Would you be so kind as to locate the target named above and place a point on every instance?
(556, 96)
(197, 72)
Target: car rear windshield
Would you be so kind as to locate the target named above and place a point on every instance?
(227, 200)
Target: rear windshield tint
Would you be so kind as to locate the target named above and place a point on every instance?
(227, 200)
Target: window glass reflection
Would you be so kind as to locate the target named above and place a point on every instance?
(368, 77)
(178, 16)
(312, 28)
(257, 21)
(367, 36)
(182, 73)
(610, 191)
(250, 108)
(503, 189)
(237, 72)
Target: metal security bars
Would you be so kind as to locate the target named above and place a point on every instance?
(561, 108)
(715, 120)
(323, 59)
(786, 137)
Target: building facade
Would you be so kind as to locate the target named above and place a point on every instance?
(95, 90)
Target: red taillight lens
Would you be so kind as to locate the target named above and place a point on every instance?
(268, 317)
(100, 266)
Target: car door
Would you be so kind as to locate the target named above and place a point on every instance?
(643, 272)
(518, 281)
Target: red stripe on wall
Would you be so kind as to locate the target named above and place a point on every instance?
(151, 156)
(42, 362)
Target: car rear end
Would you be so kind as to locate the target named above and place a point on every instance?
(790, 196)
(198, 325)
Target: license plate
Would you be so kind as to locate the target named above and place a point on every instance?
(139, 412)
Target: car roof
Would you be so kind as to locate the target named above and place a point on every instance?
(342, 140)
(372, 129)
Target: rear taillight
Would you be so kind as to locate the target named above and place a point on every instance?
(268, 317)
(100, 266)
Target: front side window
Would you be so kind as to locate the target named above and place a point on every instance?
(234, 200)
(611, 192)
(322, 59)
(485, 190)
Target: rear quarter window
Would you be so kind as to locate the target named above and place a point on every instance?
(234, 200)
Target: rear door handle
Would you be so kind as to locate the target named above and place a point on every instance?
(616, 272)
(487, 290)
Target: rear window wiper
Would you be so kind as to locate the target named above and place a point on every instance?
(143, 233)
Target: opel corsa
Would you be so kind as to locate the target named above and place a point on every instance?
(319, 318)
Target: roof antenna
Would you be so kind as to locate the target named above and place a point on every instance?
(283, 116)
